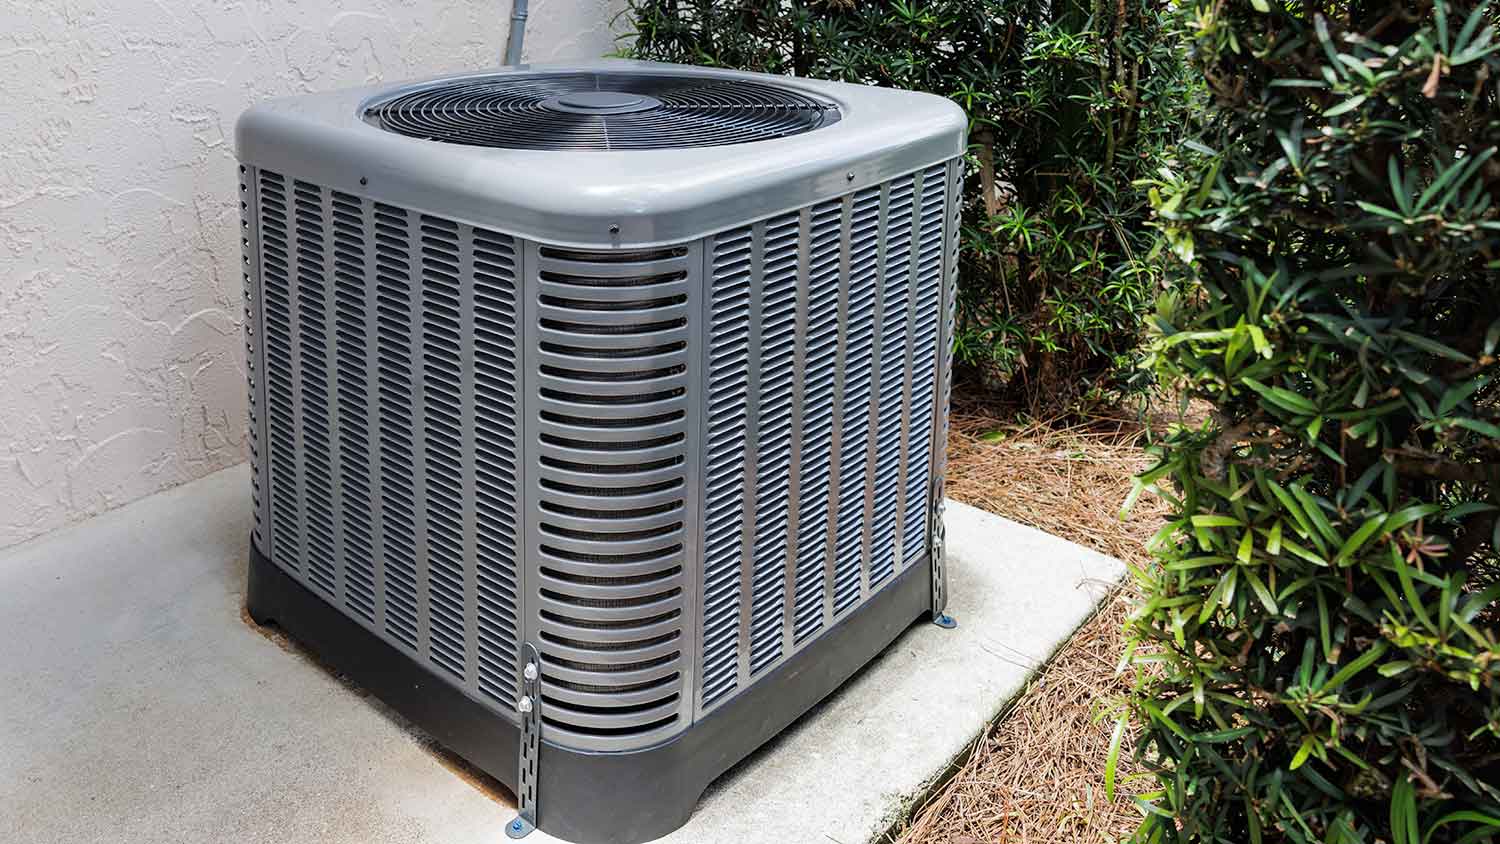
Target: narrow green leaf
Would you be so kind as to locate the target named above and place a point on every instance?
(1432, 347)
(1112, 759)
(1372, 208)
(1314, 512)
(1406, 515)
(1464, 816)
(1356, 665)
(1478, 601)
(1359, 538)
(1282, 398)
(1303, 751)
(1404, 576)
(1404, 805)
(1346, 106)
(1479, 427)
(1393, 668)
(1258, 586)
(1398, 185)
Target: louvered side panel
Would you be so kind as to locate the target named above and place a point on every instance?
(254, 356)
(725, 429)
(857, 428)
(312, 396)
(352, 386)
(389, 414)
(609, 428)
(823, 332)
(776, 357)
(281, 410)
(889, 383)
(927, 290)
(394, 321)
(818, 374)
(444, 408)
(496, 469)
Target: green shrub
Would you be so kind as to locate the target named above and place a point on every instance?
(1318, 644)
(1069, 103)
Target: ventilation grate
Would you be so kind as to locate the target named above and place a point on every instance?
(611, 443)
(856, 435)
(822, 350)
(393, 307)
(390, 365)
(496, 473)
(355, 401)
(715, 470)
(312, 351)
(776, 353)
(276, 292)
(724, 449)
(601, 111)
(821, 338)
(250, 259)
(442, 362)
(890, 379)
(927, 285)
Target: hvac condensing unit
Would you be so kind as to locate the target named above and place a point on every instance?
(598, 412)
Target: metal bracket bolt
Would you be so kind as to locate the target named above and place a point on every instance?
(530, 745)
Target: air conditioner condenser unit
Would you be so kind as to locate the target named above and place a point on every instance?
(598, 412)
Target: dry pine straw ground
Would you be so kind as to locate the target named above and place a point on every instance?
(1037, 775)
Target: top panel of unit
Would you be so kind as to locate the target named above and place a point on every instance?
(606, 154)
(601, 110)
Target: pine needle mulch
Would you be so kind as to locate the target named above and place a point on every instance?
(1038, 773)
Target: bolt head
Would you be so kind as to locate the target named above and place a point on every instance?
(530, 671)
(516, 824)
(524, 705)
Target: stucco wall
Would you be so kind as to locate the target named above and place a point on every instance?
(121, 369)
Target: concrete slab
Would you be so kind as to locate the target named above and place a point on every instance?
(137, 706)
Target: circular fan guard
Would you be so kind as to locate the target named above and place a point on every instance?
(601, 111)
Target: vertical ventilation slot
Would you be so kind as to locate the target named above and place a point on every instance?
(312, 342)
(496, 473)
(928, 290)
(611, 443)
(773, 445)
(820, 358)
(352, 384)
(442, 348)
(724, 460)
(395, 378)
(890, 376)
(857, 417)
(276, 275)
(250, 271)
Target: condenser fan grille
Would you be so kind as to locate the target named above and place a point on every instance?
(601, 111)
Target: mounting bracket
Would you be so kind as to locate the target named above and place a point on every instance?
(937, 536)
(529, 707)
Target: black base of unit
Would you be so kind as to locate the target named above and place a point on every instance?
(582, 796)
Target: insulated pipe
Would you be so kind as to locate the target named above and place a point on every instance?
(517, 32)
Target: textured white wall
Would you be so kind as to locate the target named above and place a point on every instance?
(121, 368)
